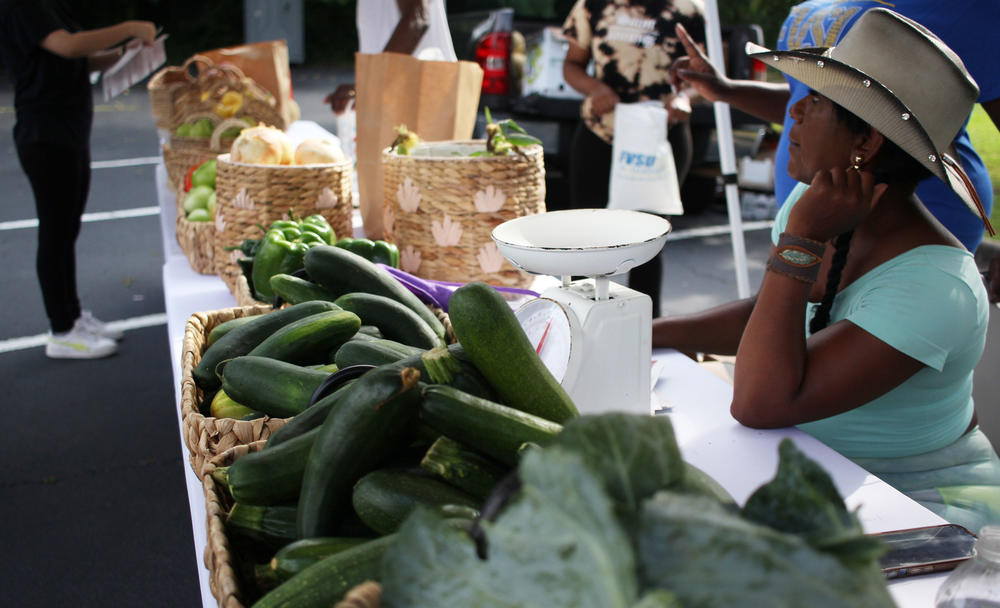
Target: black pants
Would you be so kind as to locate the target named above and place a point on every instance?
(590, 175)
(60, 181)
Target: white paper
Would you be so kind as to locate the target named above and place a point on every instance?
(137, 62)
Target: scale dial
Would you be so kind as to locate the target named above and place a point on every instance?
(548, 328)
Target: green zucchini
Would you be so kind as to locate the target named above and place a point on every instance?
(394, 319)
(486, 327)
(368, 332)
(308, 340)
(385, 497)
(244, 338)
(271, 525)
(225, 327)
(273, 475)
(324, 583)
(267, 385)
(373, 352)
(463, 467)
(496, 430)
(343, 272)
(299, 555)
(467, 378)
(295, 290)
(371, 420)
(310, 419)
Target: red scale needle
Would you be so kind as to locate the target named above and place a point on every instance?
(538, 349)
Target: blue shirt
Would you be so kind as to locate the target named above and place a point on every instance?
(969, 27)
(928, 303)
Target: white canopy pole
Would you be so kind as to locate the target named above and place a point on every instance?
(727, 156)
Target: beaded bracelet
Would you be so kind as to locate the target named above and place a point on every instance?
(797, 257)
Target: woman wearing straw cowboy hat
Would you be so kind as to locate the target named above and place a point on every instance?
(880, 365)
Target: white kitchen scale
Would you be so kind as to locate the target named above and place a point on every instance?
(594, 335)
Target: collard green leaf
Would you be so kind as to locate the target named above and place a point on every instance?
(635, 456)
(710, 556)
(557, 544)
(802, 499)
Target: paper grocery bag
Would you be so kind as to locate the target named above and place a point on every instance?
(267, 64)
(435, 99)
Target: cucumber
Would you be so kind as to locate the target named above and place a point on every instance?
(225, 327)
(295, 290)
(486, 327)
(496, 430)
(299, 555)
(342, 271)
(324, 583)
(369, 332)
(267, 385)
(365, 427)
(467, 378)
(244, 338)
(273, 525)
(373, 352)
(273, 475)
(462, 467)
(308, 340)
(385, 497)
(395, 320)
(305, 422)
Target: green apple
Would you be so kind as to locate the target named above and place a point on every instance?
(204, 175)
(210, 205)
(199, 215)
(202, 127)
(197, 198)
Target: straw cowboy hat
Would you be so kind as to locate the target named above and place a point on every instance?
(920, 108)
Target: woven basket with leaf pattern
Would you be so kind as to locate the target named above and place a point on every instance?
(441, 205)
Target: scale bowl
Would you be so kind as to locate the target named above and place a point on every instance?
(583, 242)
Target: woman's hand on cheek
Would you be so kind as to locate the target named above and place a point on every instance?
(837, 200)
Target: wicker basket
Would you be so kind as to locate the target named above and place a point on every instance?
(213, 81)
(223, 581)
(163, 87)
(182, 153)
(207, 436)
(248, 195)
(441, 206)
(197, 241)
(241, 293)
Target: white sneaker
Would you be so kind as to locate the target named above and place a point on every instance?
(95, 326)
(79, 343)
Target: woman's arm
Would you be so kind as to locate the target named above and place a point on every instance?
(602, 97)
(781, 378)
(413, 23)
(716, 331)
(72, 45)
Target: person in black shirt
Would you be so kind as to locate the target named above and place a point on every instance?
(49, 58)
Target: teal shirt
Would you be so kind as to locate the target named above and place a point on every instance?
(929, 303)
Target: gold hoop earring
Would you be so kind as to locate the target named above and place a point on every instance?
(857, 162)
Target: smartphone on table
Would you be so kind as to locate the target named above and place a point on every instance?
(924, 550)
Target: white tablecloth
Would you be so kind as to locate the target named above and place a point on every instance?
(740, 458)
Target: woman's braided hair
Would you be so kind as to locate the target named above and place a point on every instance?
(893, 166)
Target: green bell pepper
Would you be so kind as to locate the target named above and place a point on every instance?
(386, 253)
(317, 224)
(280, 254)
(380, 252)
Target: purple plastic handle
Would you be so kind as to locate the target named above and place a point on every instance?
(439, 292)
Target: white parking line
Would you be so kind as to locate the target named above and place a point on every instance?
(124, 162)
(99, 216)
(13, 344)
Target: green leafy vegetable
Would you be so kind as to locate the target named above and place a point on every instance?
(710, 556)
(802, 499)
(557, 544)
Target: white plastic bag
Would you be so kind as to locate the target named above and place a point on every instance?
(643, 173)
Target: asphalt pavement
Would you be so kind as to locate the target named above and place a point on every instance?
(92, 490)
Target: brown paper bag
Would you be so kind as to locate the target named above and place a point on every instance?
(435, 99)
(267, 64)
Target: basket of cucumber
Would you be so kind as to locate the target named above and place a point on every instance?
(206, 434)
